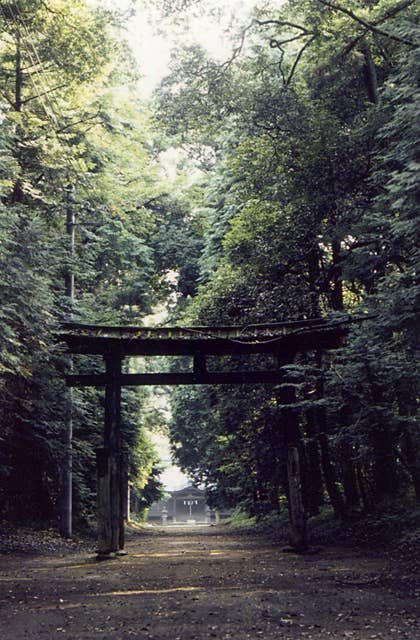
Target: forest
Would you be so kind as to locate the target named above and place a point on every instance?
(293, 195)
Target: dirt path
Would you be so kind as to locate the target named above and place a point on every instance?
(206, 583)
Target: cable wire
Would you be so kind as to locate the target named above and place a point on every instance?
(45, 97)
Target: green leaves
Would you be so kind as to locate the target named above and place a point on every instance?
(72, 140)
(310, 208)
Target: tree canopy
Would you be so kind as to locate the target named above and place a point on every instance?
(295, 197)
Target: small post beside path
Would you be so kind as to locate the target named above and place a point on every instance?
(66, 514)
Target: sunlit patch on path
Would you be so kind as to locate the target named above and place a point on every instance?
(197, 586)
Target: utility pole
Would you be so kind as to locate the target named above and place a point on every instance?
(66, 520)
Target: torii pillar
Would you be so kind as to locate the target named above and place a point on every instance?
(109, 465)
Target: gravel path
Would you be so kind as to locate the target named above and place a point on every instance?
(206, 583)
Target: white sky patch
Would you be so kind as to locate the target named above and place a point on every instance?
(172, 477)
(152, 41)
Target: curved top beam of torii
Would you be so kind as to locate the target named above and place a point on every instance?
(281, 340)
(304, 335)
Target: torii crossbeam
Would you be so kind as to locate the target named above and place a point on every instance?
(282, 340)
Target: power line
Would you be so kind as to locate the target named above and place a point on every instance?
(38, 66)
(45, 96)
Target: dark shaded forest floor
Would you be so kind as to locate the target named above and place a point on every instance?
(192, 584)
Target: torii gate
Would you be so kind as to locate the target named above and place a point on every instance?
(281, 340)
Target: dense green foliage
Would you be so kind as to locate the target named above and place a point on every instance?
(311, 201)
(297, 197)
(74, 138)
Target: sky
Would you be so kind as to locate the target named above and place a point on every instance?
(152, 50)
(172, 477)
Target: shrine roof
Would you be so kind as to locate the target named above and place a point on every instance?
(186, 491)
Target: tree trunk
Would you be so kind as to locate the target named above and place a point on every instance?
(384, 470)
(314, 281)
(314, 486)
(384, 446)
(410, 445)
(350, 486)
(366, 502)
(370, 76)
(330, 478)
(337, 300)
(298, 534)
(410, 440)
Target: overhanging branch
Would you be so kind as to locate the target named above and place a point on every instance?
(237, 50)
(297, 60)
(284, 23)
(370, 26)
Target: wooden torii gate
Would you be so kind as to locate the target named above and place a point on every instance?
(281, 340)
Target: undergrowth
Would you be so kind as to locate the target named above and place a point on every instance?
(390, 523)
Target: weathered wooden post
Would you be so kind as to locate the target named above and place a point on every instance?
(297, 516)
(110, 538)
(123, 490)
(103, 501)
